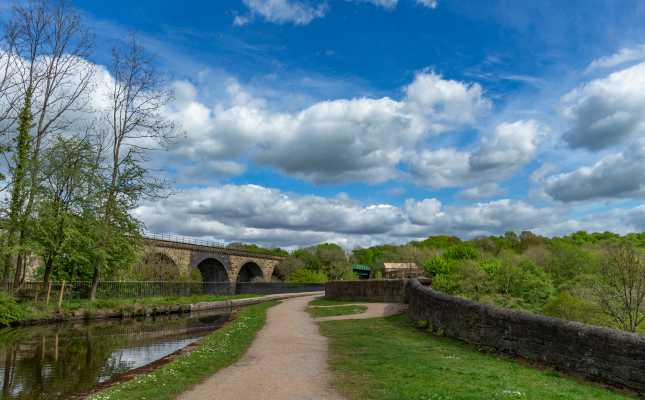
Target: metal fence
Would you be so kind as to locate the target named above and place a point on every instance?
(66, 291)
(168, 237)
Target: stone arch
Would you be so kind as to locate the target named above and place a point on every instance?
(156, 265)
(249, 272)
(212, 270)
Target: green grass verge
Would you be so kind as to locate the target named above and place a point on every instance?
(389, 359)
(318, 312)
(218, 350)
(325, 302)
(29, 310)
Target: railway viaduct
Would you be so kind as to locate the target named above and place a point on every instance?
(215, 262)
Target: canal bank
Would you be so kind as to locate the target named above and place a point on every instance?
(135, 310)
(69, 359)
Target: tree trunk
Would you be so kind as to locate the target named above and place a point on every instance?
(95, 282)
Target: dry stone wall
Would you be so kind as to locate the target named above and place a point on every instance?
(605, 355)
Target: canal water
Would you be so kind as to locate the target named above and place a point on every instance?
(59, 361)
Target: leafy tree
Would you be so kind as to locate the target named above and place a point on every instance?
(69, 174)
(304, 275)
(19, 192)
(621, 286)
(287, 266)
(136, 97)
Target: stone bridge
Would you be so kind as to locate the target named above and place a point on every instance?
(215, 263)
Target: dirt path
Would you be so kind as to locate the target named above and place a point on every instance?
(287, 360)
(374, 310)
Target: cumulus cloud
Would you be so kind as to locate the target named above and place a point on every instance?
(509, 147)
(297, 12)
(614, 176)
(607, 111)
(329, 141)
(273, 217)
(485, 190)
(621, 57)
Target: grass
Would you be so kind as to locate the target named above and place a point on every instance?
(318, 312)
(389, 359)
(218, 350)
(325, 302)
(29, 310)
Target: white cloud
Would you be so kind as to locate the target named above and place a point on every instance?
(607, 111)
(621, 57)
(328, 141)
(614, 176)
(272, 217)
(428, 3)
(387, 4)
(297, 12)
(510, 146)
(513, 144)
(485, 190)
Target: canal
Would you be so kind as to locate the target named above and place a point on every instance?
(62, 360)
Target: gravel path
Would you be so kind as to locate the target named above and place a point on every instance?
(287, 360)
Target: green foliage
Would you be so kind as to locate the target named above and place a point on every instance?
(10, 311)
(438, 265)
(567, 306)
(304, 275)
(569, 260)
(464, 251)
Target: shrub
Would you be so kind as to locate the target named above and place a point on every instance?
(524, 281)
(567, 306)
(304, 275)
(461, 252)
(10, 311)
(437, 266)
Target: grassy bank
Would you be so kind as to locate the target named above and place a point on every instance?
(325, 302)
(389, 359)
(318, 312)
(218, 350)
(11, 312)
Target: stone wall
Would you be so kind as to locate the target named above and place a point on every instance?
(369, 290)
(605, 355)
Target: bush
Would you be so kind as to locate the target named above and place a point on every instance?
(10, 311)
(567, 306)
(524, 281)
(438, 265)
(307, 276)
(461, 252)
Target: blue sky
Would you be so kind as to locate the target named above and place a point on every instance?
(372, 121)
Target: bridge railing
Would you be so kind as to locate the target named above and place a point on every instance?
(167, 237)
(76, 290)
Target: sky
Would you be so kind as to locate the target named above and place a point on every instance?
(364, 122)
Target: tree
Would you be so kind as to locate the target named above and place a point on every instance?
(49, 46)
(18, 188)
(621, 287)
(69, 175)
(134, 123)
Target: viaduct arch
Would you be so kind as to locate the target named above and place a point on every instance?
(214, 263)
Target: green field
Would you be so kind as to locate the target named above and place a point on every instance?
(389, 359)
(319, 312)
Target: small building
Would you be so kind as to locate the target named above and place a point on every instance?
(363, 271)
(401, 270)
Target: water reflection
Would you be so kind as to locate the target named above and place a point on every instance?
(58, 361)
